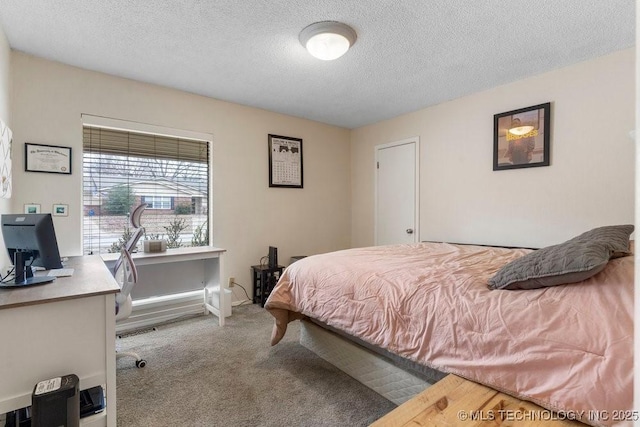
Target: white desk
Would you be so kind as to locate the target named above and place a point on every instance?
(160, 274)
(60, 328)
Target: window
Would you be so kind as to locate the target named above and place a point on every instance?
(158, 202)
(122, 169)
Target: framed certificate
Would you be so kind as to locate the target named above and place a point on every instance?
(285, 161)
(47, 158)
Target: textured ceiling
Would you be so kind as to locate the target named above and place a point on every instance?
(410, 54)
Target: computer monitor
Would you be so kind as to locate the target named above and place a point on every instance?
(30, 240)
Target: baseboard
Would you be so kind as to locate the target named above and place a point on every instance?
(367, 367)
(148, 312)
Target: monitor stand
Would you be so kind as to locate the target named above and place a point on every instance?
(26, 282)
(24, 276)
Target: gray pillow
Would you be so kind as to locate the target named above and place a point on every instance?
(569, 262)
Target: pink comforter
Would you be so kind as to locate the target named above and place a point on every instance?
(566, 348)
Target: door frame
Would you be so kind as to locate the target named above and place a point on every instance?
(415, 140)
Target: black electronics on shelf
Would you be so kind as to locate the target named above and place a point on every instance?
(273, 257)
(264, 280)
(56, 402)
(91, 401)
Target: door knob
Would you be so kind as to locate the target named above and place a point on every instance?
(409, 230)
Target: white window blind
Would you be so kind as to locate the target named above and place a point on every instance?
(123, 169)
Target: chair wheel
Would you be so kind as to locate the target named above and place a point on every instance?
(141, 363)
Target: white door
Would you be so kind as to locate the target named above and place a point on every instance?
(397, 192)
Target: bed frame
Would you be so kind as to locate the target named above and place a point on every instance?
(391, 377)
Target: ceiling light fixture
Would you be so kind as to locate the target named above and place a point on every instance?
(327, 40)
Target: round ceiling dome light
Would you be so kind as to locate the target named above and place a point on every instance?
(327, 40)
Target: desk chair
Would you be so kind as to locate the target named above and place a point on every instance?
(136, 214)
(126, 274)
(127, 278)
(131, 244)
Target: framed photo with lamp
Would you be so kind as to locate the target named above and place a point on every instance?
(521, 138)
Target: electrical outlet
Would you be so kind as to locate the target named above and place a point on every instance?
(232, 280)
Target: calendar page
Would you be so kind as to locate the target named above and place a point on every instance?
(285, 161)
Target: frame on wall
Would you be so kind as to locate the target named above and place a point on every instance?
(60, 210)
(285, 162)
(32, 208)
(521, 137)
(47, 158)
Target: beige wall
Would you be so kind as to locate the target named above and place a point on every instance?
(248, 216)
(5, 116)
(590, 181)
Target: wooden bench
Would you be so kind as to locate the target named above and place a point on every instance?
(454, 401)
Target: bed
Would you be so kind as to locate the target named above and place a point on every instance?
(565, 347)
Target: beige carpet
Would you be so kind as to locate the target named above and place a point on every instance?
(199, 374)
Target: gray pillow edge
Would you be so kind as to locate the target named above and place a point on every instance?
(611, 244)
(614, 250)
(496, 279)
(563, 278)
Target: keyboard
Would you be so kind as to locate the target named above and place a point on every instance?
(60, 272)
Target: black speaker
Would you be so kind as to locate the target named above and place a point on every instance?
(273, 257)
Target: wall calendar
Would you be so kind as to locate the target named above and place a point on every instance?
(285, 161)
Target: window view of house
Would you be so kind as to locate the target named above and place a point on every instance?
(124, 169)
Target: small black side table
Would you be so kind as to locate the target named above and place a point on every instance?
(264, 279)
